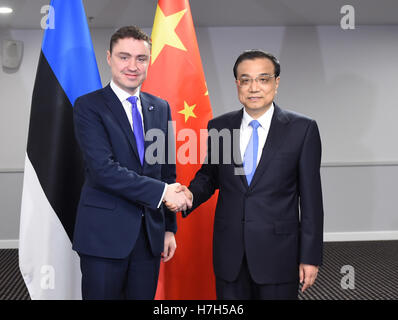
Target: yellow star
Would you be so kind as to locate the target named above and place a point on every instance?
(188, 111)
(164, 32)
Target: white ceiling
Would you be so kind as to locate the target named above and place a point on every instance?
(115, 13)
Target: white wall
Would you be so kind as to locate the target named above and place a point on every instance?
(344, 79)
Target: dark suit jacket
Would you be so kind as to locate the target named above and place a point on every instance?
(264, 220)
(117, 188)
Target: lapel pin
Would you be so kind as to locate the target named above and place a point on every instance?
(150, 108)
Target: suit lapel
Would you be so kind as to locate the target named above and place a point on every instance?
(150, 114)
(116, 107)
(276, 136)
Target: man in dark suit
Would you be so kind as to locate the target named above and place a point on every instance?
(268, 225)
(122, 227)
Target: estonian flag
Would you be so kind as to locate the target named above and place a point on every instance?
(53, 167)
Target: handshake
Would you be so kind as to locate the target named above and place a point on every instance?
(177, 198)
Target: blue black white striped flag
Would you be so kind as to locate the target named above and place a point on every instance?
(53, 173)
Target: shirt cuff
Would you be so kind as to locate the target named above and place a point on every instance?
(161, 198)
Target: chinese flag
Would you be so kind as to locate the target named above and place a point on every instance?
(176, 75)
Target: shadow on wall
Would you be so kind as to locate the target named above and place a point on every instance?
(337, 104)
(356, 190)
(209, 65)
(343, 103)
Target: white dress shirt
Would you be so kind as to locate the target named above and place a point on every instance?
(122, 96)
(246, 131)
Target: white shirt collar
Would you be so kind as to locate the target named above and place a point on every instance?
(121, 94)
(264, 120)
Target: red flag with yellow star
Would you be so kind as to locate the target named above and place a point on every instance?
(176, 75)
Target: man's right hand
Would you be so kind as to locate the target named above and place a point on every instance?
(177, 198)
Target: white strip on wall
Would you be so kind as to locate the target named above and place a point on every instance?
(360, 236)
(9, 244)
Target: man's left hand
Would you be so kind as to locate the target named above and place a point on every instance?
(170, 246)
(308, 274)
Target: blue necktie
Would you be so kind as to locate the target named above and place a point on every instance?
(137, 128)
(250, 157)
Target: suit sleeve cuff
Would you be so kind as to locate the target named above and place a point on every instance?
(161, 198)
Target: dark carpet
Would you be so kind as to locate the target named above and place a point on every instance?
(366, 270)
